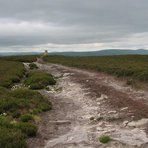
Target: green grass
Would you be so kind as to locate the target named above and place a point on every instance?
(132, 66)
(10, 72)
(39, 80)
(104, 139)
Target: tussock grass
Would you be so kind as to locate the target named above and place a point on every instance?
(26, 118)
(104, 139)
(12, 138)
(20, 103)
(28, 129)
(39, 80)
(10, 72)
(33, 66)
(17, 109)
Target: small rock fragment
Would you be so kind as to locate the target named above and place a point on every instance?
(102, 97)
(91, 118)
(66, 74)
(139, 123)
(124, 108)
(125, 123)
(112, 112)
(99, 129)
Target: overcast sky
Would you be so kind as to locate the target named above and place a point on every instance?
(73, 25)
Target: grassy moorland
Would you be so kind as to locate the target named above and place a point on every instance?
(29, 58)
(19, 108)
(18, 112)
(10, 72)
(133, 66)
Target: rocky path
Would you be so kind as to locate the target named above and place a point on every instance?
(114, 109)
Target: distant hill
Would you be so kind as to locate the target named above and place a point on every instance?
(107, 52)
(18, 53)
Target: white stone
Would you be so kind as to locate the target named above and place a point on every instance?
(99, 115)
(112, 112)
(139, 123)
(135, 137)
(125, 123)
(99, 129)
(123, 109)
(102, 97)
(66, 74)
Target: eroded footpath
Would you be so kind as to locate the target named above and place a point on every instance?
(87, 105)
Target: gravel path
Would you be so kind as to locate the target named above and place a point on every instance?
(115, 109)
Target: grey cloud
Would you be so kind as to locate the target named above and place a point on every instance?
(71, 21)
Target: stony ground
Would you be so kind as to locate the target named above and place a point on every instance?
(114, 109)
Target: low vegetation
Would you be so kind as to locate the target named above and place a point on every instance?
(21, 103)
(29, 129)
(10, 72)
(27, 101)
(104, 139)
(39, 80)
(19, 108)
(132, 66)
(17, 111)
(28, 59)
(11, 138)
(13, 134)
(26, 118)
(33, 66)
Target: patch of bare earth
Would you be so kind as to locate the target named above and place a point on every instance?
(114, 109)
